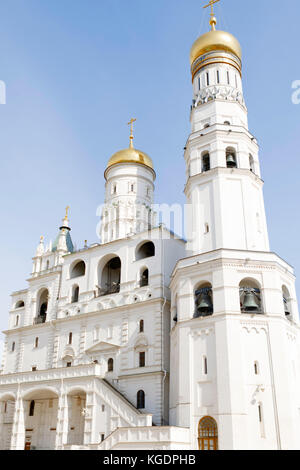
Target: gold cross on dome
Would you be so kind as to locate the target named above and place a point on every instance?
(211, 5)
(67, 211)
(131, 130)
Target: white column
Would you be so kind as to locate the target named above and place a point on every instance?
(62, 427)
(18, 430)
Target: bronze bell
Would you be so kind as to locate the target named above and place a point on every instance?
(230, 161)
(204, 304)
(250, 303)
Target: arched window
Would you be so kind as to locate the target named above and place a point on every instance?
(75, 294)
(42, 306)
(78, 269)
(250, 297)
(203, 301)
(141, 326)
(140, 400)
(286, 302)
(31, 408)
(20, 304)
(231, 161)
(145, 251)
(110, 365)
(208, 434)
(251, 164)
(70, 338)
(205, 162)
(111, 277)
(144, 280)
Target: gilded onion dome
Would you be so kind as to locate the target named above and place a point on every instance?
(130, 155)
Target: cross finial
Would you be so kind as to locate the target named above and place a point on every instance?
(213, 20)
(67, 211)
(131, 132)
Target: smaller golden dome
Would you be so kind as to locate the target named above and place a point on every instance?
(215, 40)
(130, 155)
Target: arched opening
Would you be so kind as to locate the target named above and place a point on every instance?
(286, 302)
(40, 420)
(251, 164)
(7, 411)
(110, 365)
(205, 162)
(20, 304)
(208, 434)
(204, 301)
(146, 250)
(77, 417)
(42, 306)
(144, 278)
(250, 297)
(140, 400)
(75, 294)
(231, 161)
(111, 277)
(78, 269)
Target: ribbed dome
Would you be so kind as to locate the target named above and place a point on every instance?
(215, 41)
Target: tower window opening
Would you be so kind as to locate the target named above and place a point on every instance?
(75, 294)
(20, 304)
(140, 400)
(199, 83)
(141, 326)
(228, 78)
(13, 347)
(286, 302)
(205, 369)
(251, 164)
(256, 368)
(250, 297)
(205, 162)
(231, 158)
(31, 408)
(70, 338)
(78, 270)
(110, 365)
(110, 277)
(207, 78)
(142, 357)
(236, 81)
(17, 320)
(36, 343)
(218, 76)
(204, 301)
(147, 250)
(144, 279)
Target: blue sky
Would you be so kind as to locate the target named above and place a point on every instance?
(77, 70)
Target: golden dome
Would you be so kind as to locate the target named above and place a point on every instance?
(213, 41)
(130, 155)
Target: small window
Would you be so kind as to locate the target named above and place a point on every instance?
(140, 399)
(47, 264)
(75, 294)
(147, 250)
(228, 78)
(13, 347)
(144, 281)
(78, 270)
(142, 326)
(5, 407)
(20, 304)
(256, 368)
(102, 437)
(110, 365)
(204, 365)
(70, 338)
(205, 162)
(36, 343)
(17, 320)
(31, 408)
(218, 76)
(142, 359)
(69, 364)
(206, 228)
(199, 83)
(207, 79)
(103, 408)
(34, 368)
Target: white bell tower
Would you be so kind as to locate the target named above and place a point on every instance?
(235, 346)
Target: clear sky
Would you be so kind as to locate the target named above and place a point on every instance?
(77, 70)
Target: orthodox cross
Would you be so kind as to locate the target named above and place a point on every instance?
(131, 131)
(211, 5)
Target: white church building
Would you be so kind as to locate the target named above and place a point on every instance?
(147, 341)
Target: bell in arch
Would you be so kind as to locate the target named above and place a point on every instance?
(250, 303)
(230, 161)
(204, 304)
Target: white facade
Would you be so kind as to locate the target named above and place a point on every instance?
(145, 329)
